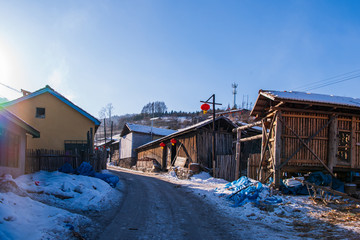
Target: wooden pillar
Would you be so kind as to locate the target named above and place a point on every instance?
(263, 148)
(353, 143)
(238, 154)
(333, 143)
(277, 151)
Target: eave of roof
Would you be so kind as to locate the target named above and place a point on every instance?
(48, 89)
(19, 122)
(303, 98)
(186, 130)
(136, 128)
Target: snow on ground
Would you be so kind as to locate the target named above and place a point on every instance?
(296, 217)
(46, 204)
(73, 192)
(24, 218)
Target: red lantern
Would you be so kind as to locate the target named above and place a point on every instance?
(162, 145)
(205, 107)
(173, 141)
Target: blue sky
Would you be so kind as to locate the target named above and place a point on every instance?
(129, 53)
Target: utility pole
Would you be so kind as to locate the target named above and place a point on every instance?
(213, 133)
(105, 131)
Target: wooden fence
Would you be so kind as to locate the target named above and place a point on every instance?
(52, 160)
(225, 167)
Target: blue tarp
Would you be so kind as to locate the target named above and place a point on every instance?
(245, 190)
(86, 169)
(317, 178)
(66, 168)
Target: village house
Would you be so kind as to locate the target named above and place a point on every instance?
(193, 145)
(133, 136)
(63, 125)
(305, 132)
(13, 141)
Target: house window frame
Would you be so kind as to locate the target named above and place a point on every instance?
(39, 114)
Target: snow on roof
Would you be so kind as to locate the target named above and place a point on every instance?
(189, 128)
(148, 129)
(311, 97)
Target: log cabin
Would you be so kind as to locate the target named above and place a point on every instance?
(305, 132)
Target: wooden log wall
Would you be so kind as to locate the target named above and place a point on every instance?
(225, 167)
(156, 152)
(224, 145)
(305, 125)
(186, 147)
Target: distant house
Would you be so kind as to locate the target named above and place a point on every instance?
(63, 125)
(133, 136)
(13, 131)
(308, 132)
(194, 145)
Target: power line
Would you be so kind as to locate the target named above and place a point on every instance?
(10, 87)
(333, 82)
(329, 81)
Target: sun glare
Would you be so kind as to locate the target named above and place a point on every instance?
(9, 71)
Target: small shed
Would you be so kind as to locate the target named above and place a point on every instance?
(133, 136)
(194, 145)
(307, 132)
(13, 143)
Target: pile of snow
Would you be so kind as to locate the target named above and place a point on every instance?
(205, 178)
(73, 192)
(42, 205)
(24, 218)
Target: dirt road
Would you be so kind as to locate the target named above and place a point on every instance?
(156, 209)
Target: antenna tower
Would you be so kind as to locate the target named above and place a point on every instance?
(234, 86)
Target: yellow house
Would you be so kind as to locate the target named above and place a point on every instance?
(63, 125)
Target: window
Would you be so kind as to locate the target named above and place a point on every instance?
(40, 113)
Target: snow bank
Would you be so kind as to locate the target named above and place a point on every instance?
(73, 192)
(35, 206)
(24, 218)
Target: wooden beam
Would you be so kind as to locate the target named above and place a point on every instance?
(250, 138)
(333, 144)
(258, 123)
(316, 111)
(263, 148)
(277, 151)
(266, 144)
(310, 150)
(328, 189)
(238, 155)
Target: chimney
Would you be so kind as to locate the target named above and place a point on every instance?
(25, 93)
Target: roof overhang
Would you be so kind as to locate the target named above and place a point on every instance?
(19, 122)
